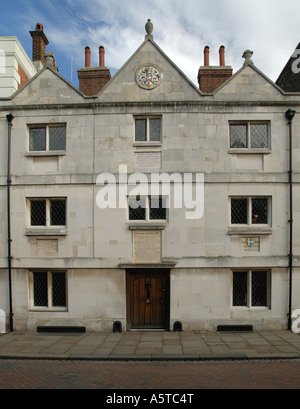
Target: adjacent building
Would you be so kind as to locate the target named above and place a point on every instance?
(16, 68)
(144, 201)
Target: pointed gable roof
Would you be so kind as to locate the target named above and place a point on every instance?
(174, 84)
(248, 84)
(289, 78)
(47, 87)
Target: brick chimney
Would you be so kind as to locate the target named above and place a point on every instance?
(93, 79)
(212, 77)
(39, 42)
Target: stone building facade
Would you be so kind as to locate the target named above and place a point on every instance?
(152, 203)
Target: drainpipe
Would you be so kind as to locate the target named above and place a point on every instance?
(9, 120)
(290, 115)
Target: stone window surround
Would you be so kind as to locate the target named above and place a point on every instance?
(249, 305)
(251, 228)
(46, 152)
(148, 141)
(47, 230)
(147, 219)
(249, 149)
(49, 308)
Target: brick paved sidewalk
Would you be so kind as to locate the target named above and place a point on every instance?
(186, 345)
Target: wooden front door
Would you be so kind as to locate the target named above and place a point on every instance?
(148, 296)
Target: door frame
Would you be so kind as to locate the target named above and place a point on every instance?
(147, 271)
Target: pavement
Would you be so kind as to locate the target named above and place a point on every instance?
(151, 346)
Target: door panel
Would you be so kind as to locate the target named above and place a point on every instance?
(149, 303)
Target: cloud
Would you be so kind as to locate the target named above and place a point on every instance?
(181, 29)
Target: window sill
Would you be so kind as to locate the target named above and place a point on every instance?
(48, 309)
(147, 226)
(46, 232)
(248, 151)
(147, 144)
(247, 230)
(250, 309)
(45, 153)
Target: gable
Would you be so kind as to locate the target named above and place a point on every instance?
(173, 84)
(289, 78)
(47, 87)
(248, 84)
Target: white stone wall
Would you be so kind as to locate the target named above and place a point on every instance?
(195, 139)
(12, 54)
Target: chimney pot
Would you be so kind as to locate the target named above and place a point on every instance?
(87, 57)
(206, 56)
(222, 56)
(39, 27)
(101, 56)
(210, 78)
(93, 79)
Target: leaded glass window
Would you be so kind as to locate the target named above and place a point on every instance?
(251, 288)
(37, 139)
(147, 208)
(250, 135)
(137, 208)
(47, 138)
(157, 208)
(240, 286)
(47, 212)
(148, 129)
(49, 289)
(250, 210)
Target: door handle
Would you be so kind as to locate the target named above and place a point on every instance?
(148, 296)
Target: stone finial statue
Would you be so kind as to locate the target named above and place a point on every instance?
(149, 29)
(247, 55)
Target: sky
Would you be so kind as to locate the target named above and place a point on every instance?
(269, 28)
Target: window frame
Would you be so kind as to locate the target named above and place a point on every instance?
(250, 273)
(47, 151)
(50, 306)
(148, 140)
(148, 218)
(48, 229)
(249, 211)
(248, 148)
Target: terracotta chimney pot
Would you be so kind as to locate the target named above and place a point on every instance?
(101, 56)
(206, 56)
(87, 57)
(222, 56)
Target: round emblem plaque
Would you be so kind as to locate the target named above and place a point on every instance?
(148, 77)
